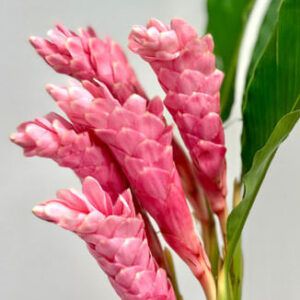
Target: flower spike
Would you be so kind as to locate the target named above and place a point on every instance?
(77, 100)
(141, 142)
(53, 137)
(86, 57)
(185, 66)
(115, 236)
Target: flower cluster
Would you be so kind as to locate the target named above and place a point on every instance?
(118, 143)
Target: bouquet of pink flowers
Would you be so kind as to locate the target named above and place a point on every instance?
(117, 141)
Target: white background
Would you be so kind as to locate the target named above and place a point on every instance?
(41, 261)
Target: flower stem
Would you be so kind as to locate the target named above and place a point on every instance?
(199, 203)
(224, 286)
(208, 283)
(163, 257)
(172, 273)
(223, 224)
(211, 244)
(236, 270)
(230, 276)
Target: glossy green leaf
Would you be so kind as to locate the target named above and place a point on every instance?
(226, 22)
(265, 35)
(271, 109)
(253, 179)
(274, 83)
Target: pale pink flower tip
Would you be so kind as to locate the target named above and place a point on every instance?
(73, 100)
(115, 236)
(160, 41)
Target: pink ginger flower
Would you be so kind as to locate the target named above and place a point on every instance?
(141, 142)
(115, 236)
(86, 57)
(53, 137)
(75, 101)
(185, 66)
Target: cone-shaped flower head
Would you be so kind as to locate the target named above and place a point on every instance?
(53, 137)
(185, 66)
(115, 236)
(86, 57)
(75, 100)
(141, 142)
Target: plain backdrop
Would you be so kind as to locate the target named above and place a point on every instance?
(41, 261)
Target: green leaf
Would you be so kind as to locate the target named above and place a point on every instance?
(263, 39)
(253, 180)
(274, 83)
(226, 22)
(271, 109)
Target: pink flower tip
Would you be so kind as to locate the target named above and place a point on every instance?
(32, 39)
(38, 211)
(158, 41)
(13, 137)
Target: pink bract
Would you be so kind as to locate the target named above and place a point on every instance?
(141, 142)
(185, 66)
(53, 137)
(115, 236)
(86, 57)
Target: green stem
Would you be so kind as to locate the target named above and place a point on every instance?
(231, 275)
(224, 285)
(236, 270)
(172, 273)
(236, 273)
(211, 245)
